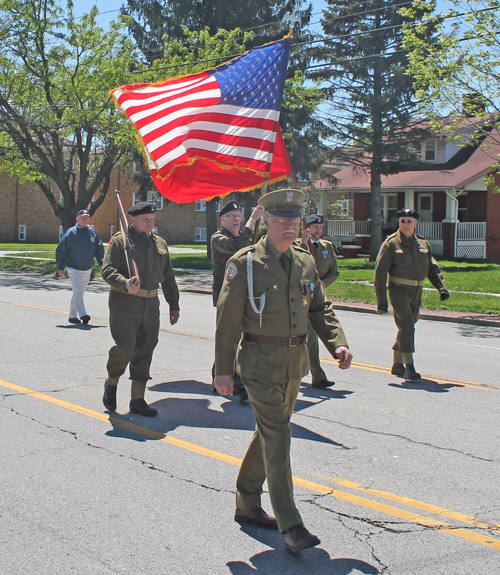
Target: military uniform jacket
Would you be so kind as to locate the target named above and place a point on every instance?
(153, 261)
(326, 261)
(224, 244)
(289, 304)
(407, 258)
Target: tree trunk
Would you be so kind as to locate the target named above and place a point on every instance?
(376, 214)
(210, 223)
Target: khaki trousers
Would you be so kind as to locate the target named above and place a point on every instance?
(405, 302)
(315, 368)
(268, 455)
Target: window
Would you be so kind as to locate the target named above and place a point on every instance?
(200, 206)
(425, 207)
(111, 231)
(389, 208)
(61, 232)
(154, 197)
(429, 151)
(22, 234)
(462, 207)
(200, 234)
(344, 204)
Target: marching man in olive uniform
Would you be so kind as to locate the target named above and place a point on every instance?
(325, 259)
(134, 310)
(407, 259)
(225, 243)
(270, 292)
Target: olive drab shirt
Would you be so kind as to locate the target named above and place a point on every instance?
(224, 244)
(289, 304)
(153, 262)
(407, 258)
(326, 261)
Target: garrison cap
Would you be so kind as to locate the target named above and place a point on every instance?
(408, 213)
(82, 213)
(229, 207)
(315, 219)
(284, 203)
(142, 208)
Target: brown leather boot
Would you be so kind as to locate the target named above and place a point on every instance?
(298, 538)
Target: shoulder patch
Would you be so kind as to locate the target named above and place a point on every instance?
(231, 271)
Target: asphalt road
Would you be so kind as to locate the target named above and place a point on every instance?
(394, 477)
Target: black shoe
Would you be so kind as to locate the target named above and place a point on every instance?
(398, 369)
(109, 397)
(243, 395)
(323, 384)
(256, 516)
(298, 538)
(141, 407)
(85, 319)
(410, 372)
(74, 320)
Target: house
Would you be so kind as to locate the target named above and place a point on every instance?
(458, 215)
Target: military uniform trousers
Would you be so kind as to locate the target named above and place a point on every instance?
(406, 301)
(268, 455)
(315, 368)
(134, 323)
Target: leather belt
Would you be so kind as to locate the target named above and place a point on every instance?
(292, 341)
(405, 282)
(141, 293)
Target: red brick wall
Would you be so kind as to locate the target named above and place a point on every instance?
(477, 205)
(361, 207)
(438, 206)
(493, 225)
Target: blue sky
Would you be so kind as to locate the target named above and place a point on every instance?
(110, 9)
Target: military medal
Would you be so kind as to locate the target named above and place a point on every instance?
(303, 286)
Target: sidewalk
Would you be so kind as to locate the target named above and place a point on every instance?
(201, 282)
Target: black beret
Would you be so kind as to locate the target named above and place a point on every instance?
(315, 219)
(229, 207)
(408, 213)
(142, 208)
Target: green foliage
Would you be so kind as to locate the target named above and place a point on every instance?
(59, 126)
(336, 212)
(457, 76)
(371, 99)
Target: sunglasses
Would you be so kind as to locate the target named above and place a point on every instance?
(409, 221)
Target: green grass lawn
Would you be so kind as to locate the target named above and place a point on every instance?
(475, 276)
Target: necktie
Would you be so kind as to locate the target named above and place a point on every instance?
(285, 264)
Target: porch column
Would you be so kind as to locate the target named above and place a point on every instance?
(409, 199)
(450, 208)
(322, 202)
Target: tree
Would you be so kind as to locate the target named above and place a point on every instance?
(58, 126)
(458, 76)
(371, 103)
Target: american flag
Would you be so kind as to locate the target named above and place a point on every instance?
(214, 132)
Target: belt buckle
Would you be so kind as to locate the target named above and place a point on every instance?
(290, 344)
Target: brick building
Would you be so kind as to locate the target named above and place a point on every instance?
(28, 217)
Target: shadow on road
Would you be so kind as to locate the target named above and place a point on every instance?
(277, 561)
(193, 412)
(426, 385)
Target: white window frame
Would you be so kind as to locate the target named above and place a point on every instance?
(21, 233)
(200, 234)
(152, 196)
(421, 211)
(384, 198)
(430, 146)
(200, 206)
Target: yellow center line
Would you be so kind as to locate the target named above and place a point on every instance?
(310, 485)
(357, 365)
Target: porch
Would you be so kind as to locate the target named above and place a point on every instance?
(463, 240)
